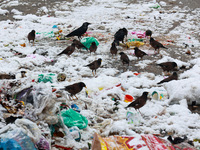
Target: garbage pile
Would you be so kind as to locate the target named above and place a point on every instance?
(35, 115)
(43, 107)
(39, 114)
(42, 116)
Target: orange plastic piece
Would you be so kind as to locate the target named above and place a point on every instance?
(128, 98)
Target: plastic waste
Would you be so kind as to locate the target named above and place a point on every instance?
(155, 6)
(155, 143)
(45, 34)
(185, 146)
(141, 40)
(64, 106)
(16, 140)
(133, 118)
(55, 131)
(9, 144)
(139, 34)
(72, 118)
(128, 98)
(55, 26)
(160, 94)
(134, 43)
(44, 104)
(118, 143)
(30, 128)
(101, 89)
(62, 147)
(13, 106)
(46, 78)
(76, 108)
(86, 41)
(25, 95)
(23, 45)
(37, 57)
(75, 133)
(43, 144)
(61, 77)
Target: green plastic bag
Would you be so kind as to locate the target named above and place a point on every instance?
(46, 78)
(155, 6)
(46, 34)
(72, 118)
(86, 41)
(129, 40)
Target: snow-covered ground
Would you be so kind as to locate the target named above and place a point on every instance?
(178, 24)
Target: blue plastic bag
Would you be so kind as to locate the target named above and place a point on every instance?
(10, 144)
(16, 140)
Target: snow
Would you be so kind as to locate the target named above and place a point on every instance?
(111, 14)
(2, 12)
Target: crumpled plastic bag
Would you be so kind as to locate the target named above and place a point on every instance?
(72, 118)
(44, 104)
(16, 140)
(43, 144)
(45, 34)
(30, 128)
(86, 41)
(133, 118)
(46, 78)
(25, 95)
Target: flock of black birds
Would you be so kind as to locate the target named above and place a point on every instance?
(119, 36)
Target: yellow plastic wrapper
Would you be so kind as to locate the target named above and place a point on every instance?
(137, 142)
(134, 43)
(114, 143)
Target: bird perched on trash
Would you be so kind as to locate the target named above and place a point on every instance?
(69, 50)
(174, 76)
(113, 49)
(178, 140)
(80, 31)
(124, 58)
(148, 33)
(168, 66)
(139, 53)
(139, 102)
(156, 45)
(120, 35)
(78, 44)
(31, 36)
(93, 47)
(75, 88)
(95, 65)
